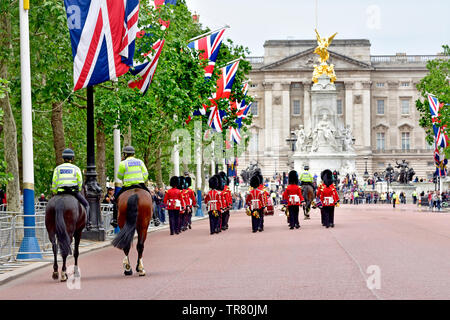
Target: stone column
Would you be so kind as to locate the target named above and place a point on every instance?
(349, 104)
(307, 117)
(392, 112)
(366, 114)
(268, 118)
(285, 124)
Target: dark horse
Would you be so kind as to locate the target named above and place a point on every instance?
(65, 218)
(135, 212)
(308, 194)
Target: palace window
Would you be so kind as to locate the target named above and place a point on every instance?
(254, 108)
(339, 107)
(381, 141)
(406, 145)
(380, 84)
(254, 141)
(380, 106)
(296, 107)
(405, 106)
(254, 85)
(405, 84)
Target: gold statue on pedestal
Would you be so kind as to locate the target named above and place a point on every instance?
(322, 51)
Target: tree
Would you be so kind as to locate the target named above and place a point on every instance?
(436, 83)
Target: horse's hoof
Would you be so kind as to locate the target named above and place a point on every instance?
(63, 277)
(142, 273)
(76, 272)
(128, 272)
(55, 276)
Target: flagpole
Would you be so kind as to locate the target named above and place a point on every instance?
(228, 63)
(29, 242)
(208, 33)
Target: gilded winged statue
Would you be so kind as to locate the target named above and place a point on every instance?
(324, 55)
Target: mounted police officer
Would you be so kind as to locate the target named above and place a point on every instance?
(133, 173)
(306, 178)
(67, 179)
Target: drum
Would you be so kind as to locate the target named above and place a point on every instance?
(270, 209)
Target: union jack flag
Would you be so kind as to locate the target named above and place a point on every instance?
(441, 163)
(158, 3)
(441, 137)
(209, 47)
(235, 133)
(147, 70)
(226, 80)
(131, 30)
(101, 48)
(215, 118)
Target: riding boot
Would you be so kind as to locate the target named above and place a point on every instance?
(114, 218)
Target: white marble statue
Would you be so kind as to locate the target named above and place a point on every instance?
(301, 139)
(348, 138)
(324, 134)
(347, 167)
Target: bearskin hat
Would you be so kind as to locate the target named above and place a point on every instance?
(188, 181)
(182, 183)
(293, 177)
(327, 177)
(174, 182)
(213, 183)
(221, 183)
(255, 182)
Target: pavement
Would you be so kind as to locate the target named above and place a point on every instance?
(374, 252)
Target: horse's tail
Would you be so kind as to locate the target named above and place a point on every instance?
(125, 236)
(61, 231)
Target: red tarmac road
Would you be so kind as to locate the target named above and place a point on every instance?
(410, 248)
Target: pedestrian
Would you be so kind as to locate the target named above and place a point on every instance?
(255, 204)
(394, 199)
(213, 203)
(160, 205)
(293, 198)
(173, 200)
(414, 196)
(329, 198)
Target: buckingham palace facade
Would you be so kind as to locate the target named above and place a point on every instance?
(376, 98)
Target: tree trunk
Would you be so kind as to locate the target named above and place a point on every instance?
(158, 167)
(59, 142)
(9, 126)
(101, 154)
(127, 137)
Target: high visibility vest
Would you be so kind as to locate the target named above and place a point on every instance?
(132, 171)
(66, 175)
(306, 177)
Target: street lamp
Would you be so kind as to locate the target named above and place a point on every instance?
(366, 173)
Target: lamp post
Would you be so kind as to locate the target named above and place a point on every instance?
(93, 189)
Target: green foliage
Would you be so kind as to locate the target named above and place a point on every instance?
(436, 83)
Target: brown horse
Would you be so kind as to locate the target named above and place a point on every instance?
(65, 218)
(308, 195)
(135, 212)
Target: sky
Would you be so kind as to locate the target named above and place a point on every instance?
(411, 26)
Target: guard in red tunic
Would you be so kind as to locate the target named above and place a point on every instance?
(228, 200)
(255, 204)
(192, 201)
(174, 203)
(329, 197)
(184, 193)
(213, 201)
(266, 196)
(293, 198)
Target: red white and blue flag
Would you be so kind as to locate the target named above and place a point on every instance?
(131, 30)
(441, 163)
(235, 133)
(440, 134)
(209, 47)
(226, 80)
(147, 70)
(100, 45)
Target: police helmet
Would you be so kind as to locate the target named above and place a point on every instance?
(128, 150)
(306, 168)
(68, 154)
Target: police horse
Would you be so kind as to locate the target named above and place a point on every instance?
(65, 219)
(135, 212)
(308, 195)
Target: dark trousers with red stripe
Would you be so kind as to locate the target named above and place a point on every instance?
(293, 216)
(256, 222)
(225, 218)
(174, 221)
(328, 215)
(214, 222)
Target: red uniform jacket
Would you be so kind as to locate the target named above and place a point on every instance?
(193, 200)
(328, 195)
(213, 200)
(293, 195)
(227, 195)
(174, 200)
(265, 194)
(255, 199)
